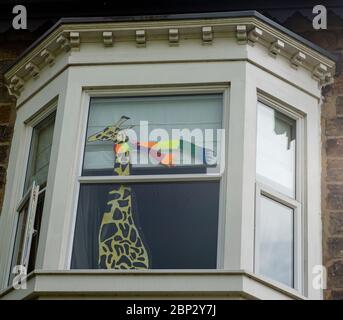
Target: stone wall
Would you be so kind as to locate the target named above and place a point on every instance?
(332, 187)
(332, 150)
(12, 43)
(7, 117)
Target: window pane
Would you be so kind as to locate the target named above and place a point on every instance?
(35, 236)
(276, 150)
(154, 139)
(40, 151)
(275, 243)
(147, 225)
(19, 240)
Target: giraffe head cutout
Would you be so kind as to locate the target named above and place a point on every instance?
(115, 133)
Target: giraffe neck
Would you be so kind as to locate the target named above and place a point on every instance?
(122, 166)
(121, 244)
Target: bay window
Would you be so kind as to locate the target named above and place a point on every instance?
(189, 149)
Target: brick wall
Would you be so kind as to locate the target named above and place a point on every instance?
(332, 187)
(332, 150)
(7, 117)
(11, 45)
(6, 121)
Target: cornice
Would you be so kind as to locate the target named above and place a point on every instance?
(247, 31)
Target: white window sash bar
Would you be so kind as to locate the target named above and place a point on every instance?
(149, 178)
(24, 200)
(276, 196)
(29, 228)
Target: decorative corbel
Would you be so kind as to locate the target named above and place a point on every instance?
(254, 35)
(63, 42)
(32, 69)
(297, 60)
(241, 34)
(276, 48)
(11, 91)
(174, 37)
(207, 35)
(75, 40)
(48, 56)
(327, 79)
(17, 82)
(319, 72)
(140, 38)
(15, 86)
(107, 37)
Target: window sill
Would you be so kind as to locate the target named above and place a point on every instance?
(201, 284)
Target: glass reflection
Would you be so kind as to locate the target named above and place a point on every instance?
(275, 227)
(276, 150)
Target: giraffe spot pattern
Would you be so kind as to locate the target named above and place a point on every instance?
(108, 230)
(124, 229)
(127, 249)
(138, 265)
(133, 255)
(138, 243)
(103, 260)
(123, 203)
(118, 238)
(125, 260)
(120, 242)
(116, 196)
(126, 194)
(133, 235)
(117, 215)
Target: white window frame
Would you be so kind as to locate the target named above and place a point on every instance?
(223, 90)
(296, 203)
(31, 196)
(29, 228)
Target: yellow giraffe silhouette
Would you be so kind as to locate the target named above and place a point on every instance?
(120, 241)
